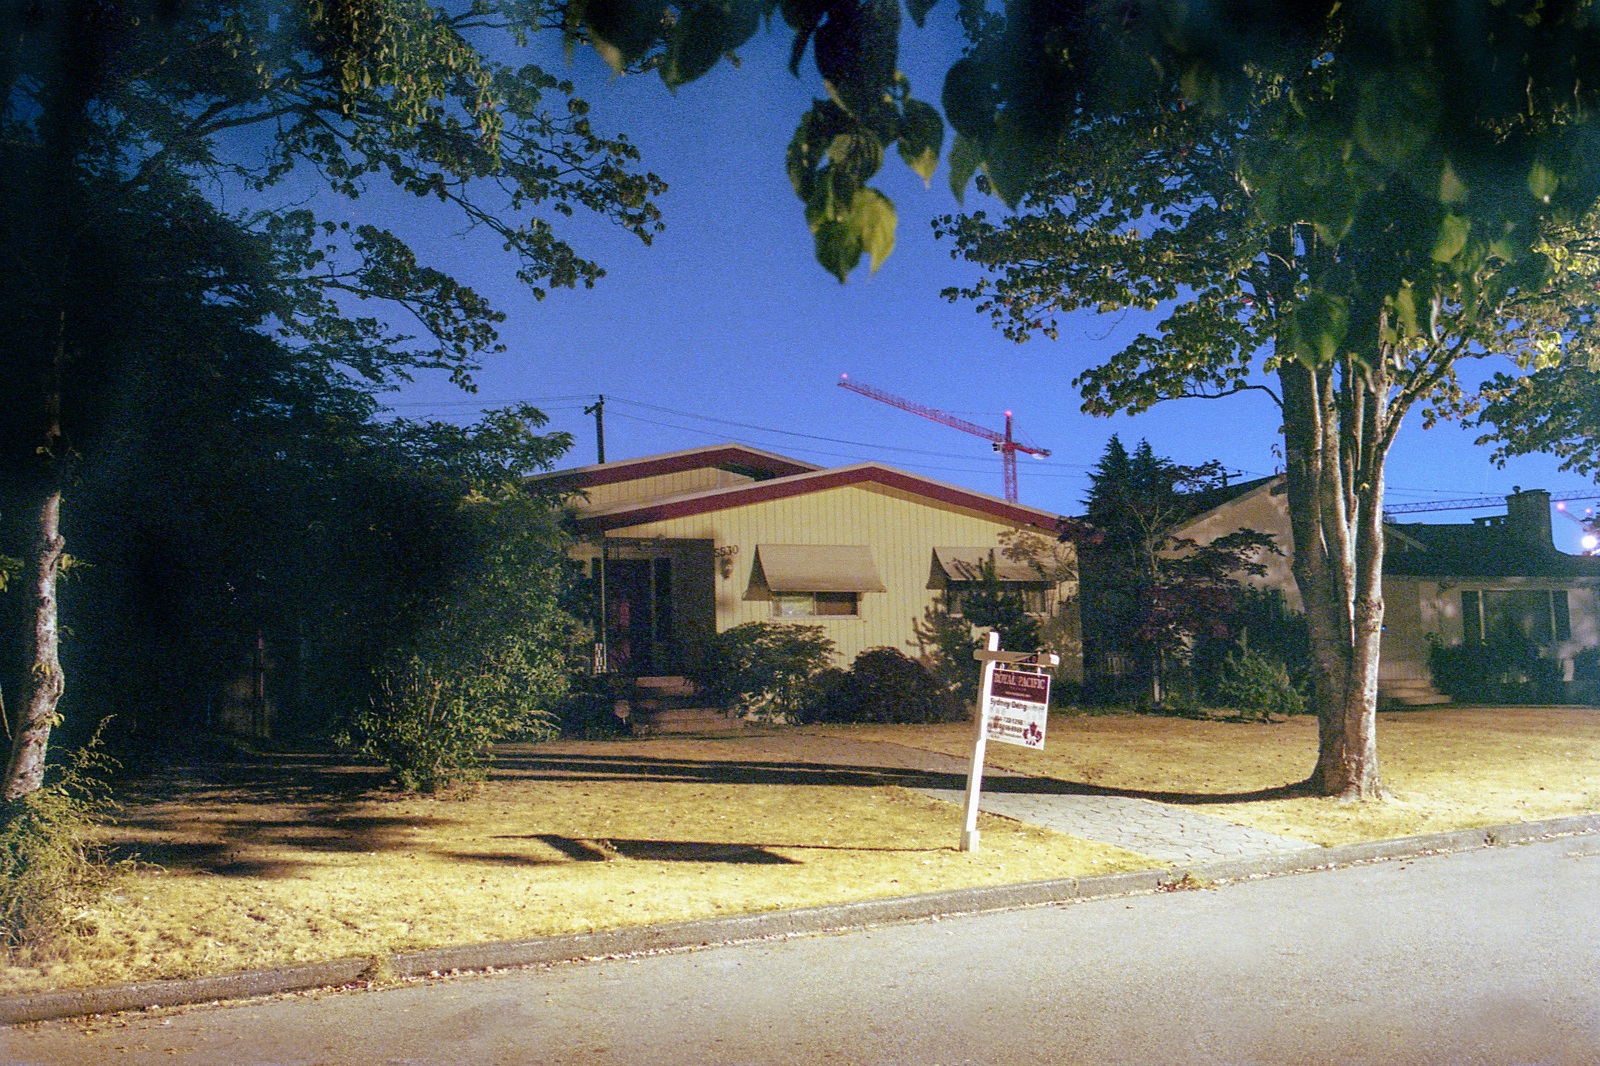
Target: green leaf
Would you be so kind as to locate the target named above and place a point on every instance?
(802, 17)
(964, 161)
(831, 200)
(921, 139)
(704, 33)
(1452, 190)
(1395, 118)
(857, 153)
(1542, 181)
(809, 147)
(856, 49)
(873, 216)
(1010, 161)
(970, 99)
(1405, 311)
(1316, 328)
(838, 248)
(1452, 237)
(623, 31)
(919, 10)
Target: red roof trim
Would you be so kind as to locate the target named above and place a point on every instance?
(675, 463)
(801, 484)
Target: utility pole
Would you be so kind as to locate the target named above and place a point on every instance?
(598, 409)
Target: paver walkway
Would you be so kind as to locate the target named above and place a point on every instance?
(1162, 831)
(1159, 830)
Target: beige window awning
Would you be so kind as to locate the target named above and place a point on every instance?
(967, 564)
(818, 568)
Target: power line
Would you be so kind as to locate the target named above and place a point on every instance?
(1476, 503)
(489, 403)
(805, 436)
(835, 455)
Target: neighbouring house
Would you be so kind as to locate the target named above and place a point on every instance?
(689, 544)
(1490, 579)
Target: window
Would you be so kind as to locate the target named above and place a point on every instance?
(1038, 598)
(815, 604)
(1541, 616)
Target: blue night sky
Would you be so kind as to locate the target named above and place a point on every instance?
(727, 316)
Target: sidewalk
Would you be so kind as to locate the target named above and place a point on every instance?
(1163, 831)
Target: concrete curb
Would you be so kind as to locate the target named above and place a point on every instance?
(837, 917)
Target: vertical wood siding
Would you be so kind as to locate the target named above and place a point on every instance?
(901, 529)
(659, 487)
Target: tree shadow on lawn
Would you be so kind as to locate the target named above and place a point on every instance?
(575, 768)
(258, 847)
(596, 849)
(261, 817)
(293, 778)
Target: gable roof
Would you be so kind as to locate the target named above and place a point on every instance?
(737, 458)
(816, 480)
(1444, 549)
(1209, 501)
(1453, 549)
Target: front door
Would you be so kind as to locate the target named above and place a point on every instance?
(639, 616)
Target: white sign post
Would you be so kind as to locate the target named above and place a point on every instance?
(1013, 705)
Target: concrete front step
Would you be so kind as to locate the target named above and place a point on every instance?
(651, 720)
(664, 686)
(1411, 692)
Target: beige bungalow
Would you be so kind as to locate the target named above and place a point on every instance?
(1451, 582)
(691, 543)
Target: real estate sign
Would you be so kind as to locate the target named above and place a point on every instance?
(1015, 706)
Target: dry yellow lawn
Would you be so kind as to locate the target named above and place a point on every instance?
(308, 860)
(300, 859)
(1443, 769)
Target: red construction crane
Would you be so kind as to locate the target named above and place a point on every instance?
(1003, 443)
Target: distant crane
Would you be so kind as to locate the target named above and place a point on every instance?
(1002, 443)
(1477, 503)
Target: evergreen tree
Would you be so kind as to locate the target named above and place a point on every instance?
(1147, 594)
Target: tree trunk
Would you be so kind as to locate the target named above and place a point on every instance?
(1334, 452)
(45, 683)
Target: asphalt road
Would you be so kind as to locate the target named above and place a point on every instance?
(1484, 957)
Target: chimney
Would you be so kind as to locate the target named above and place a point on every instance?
(1528, 518)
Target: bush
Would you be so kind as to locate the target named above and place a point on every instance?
(1586, 665)
(1261, 618)
(494, 662)
(588, 712)
(947, 643)
(1258, 685)
(765, 669)
(885, 685)
(1507, 670)
(50, 871)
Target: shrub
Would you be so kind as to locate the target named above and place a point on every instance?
(1586, 665)
(588, 712)
(1490, 671)
(1258, 685)
(885, 685)
(50, 870)
(946, 644)
(765, 669)
(494, 660)
(1262, 618)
